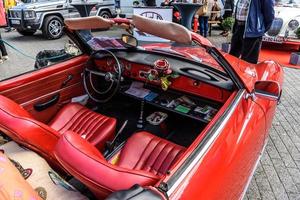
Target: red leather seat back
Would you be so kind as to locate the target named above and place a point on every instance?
(87, 164)
(92, 126)
(147, 152)
(22, 128)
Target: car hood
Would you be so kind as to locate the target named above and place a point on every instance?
(286, 13)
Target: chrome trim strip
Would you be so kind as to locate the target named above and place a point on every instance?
(210, 141)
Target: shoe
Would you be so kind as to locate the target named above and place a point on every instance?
(1, 61)
(8, 30)
(225, 34)
(4, 58)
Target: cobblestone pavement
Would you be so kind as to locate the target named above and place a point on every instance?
(278, 173)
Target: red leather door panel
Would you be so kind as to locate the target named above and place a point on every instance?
(39, 86)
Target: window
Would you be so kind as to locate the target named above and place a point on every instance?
(28, 53)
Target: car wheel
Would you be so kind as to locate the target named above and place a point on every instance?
(53, 27)
(26, 32)
(105, 14)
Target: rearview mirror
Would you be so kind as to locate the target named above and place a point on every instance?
(130, 40)
(268, 89)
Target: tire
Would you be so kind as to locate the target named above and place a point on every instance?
(53, 27)
(105, 14)
(26, 32)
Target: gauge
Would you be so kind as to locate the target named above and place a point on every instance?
(110, 62)
(128, 66)
(116, 66)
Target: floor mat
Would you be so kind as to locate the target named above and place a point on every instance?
(278, 53)
(39, 175)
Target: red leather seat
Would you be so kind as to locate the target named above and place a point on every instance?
(92, 126)
(18, 124)
(143, 160)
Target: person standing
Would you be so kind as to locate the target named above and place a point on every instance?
(4, 55)
(252, 19)
(228, 8)
(203, 17)
(8, 4)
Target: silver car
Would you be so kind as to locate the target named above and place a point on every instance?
(48, 15)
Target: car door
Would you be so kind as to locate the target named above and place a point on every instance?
(226, 158)
(42, 92)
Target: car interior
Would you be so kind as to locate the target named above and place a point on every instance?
(115, 118)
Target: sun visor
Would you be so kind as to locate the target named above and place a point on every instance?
(88, 23)
(163, 29)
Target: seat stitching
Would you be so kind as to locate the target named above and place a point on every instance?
(96, 124)
(69, 122)
(32, 121)
(93, 124)
(101, 122)
(155, 160)
(76, 125)
(84, 120)
(143, 152)
(161, 164)
(159, 170)
(175, 157)
(91, 119)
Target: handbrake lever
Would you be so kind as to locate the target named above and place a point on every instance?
(110, 145)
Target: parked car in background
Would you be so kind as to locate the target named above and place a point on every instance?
(126, 6)
(285, 24)
(48, 15)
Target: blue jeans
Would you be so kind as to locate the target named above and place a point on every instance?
(203, 21)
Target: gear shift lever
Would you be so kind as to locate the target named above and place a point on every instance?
(111, 145)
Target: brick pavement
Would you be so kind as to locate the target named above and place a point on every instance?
(278, 173)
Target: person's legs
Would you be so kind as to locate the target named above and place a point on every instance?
(237, 41)
(2, 47)
(205, 25)
(8, 28)
(201, 23)
(251, 49)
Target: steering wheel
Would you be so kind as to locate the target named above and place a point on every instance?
(111, 79)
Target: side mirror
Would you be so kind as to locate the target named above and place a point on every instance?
(268, 89)
(130, 40)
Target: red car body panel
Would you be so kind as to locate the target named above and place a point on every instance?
(226, 167)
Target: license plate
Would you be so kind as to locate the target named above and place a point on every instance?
(15, 22)
(273, 39)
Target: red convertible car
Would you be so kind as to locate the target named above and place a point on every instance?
(132, 119)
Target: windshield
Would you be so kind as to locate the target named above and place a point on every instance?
(111, 39)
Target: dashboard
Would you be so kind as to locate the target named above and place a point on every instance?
(140, 70)
(186, 67)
